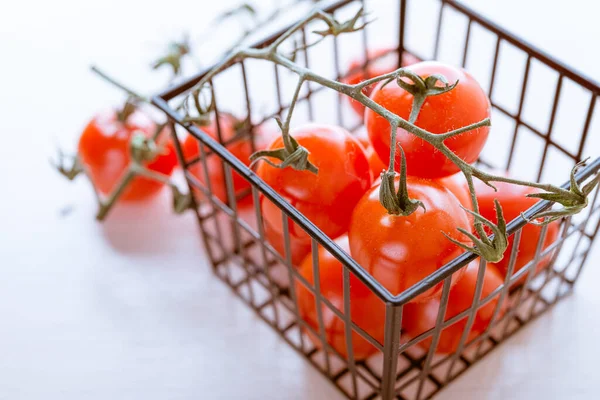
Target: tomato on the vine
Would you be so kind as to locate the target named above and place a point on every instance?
(421, 317)
(466, 104)
(104, 150)
(400, 251)
(240, 146)
(383, 63)
(513, 200)
(326, 198)
(366, 309)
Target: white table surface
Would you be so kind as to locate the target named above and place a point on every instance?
(129, 309)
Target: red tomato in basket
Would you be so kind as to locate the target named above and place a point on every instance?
(401, 251)
(240, 148)
(366, 309)
(457, 184)
(513, 201)
(104, 151)
(326, 198)
(464, 105)
(375, 162)
(421, 317)
(383, 62)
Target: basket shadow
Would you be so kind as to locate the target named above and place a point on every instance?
(149, 227)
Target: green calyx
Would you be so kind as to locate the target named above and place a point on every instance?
(421, 88)
(492, 250)
(143, 149)
(397, 202)
(336, 28)
(176, 51)
(573, 200)
(293, 155)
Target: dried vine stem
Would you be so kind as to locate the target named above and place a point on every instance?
(398, 202)
(177, 51)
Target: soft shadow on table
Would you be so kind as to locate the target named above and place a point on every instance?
(150, 227)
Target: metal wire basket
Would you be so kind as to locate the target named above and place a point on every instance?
(266, 280)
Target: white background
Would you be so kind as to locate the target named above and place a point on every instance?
(128, 309)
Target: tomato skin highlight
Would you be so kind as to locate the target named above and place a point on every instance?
(104, 151)
(466, 104)
(366, 309)
(380, 66)
(457, 184)
(459, 187)
(326, 198)
(375, 162)
(401, 251)
(421, 317)
(513, 200)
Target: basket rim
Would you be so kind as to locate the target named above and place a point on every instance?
(161, 101)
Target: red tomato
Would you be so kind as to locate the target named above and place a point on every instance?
(327, 198)
(242, 149)
(457, 184)
(366, 309)
(380, 65)
(401, 251)
(464, 105)
(513, 201)
(375, 162)
(419, 318)
(104, 150)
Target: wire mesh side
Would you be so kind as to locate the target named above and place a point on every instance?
(263, 275)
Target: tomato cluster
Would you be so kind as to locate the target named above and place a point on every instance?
(343, 201)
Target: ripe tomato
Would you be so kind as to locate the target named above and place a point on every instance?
(421, 317)
(375, 162)
(242, 149)
(366, 309)
(380, 65)
(513, 201)
(457, 184)
(104, 151)
(464, 105)
(326, 198)
(401, 251)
